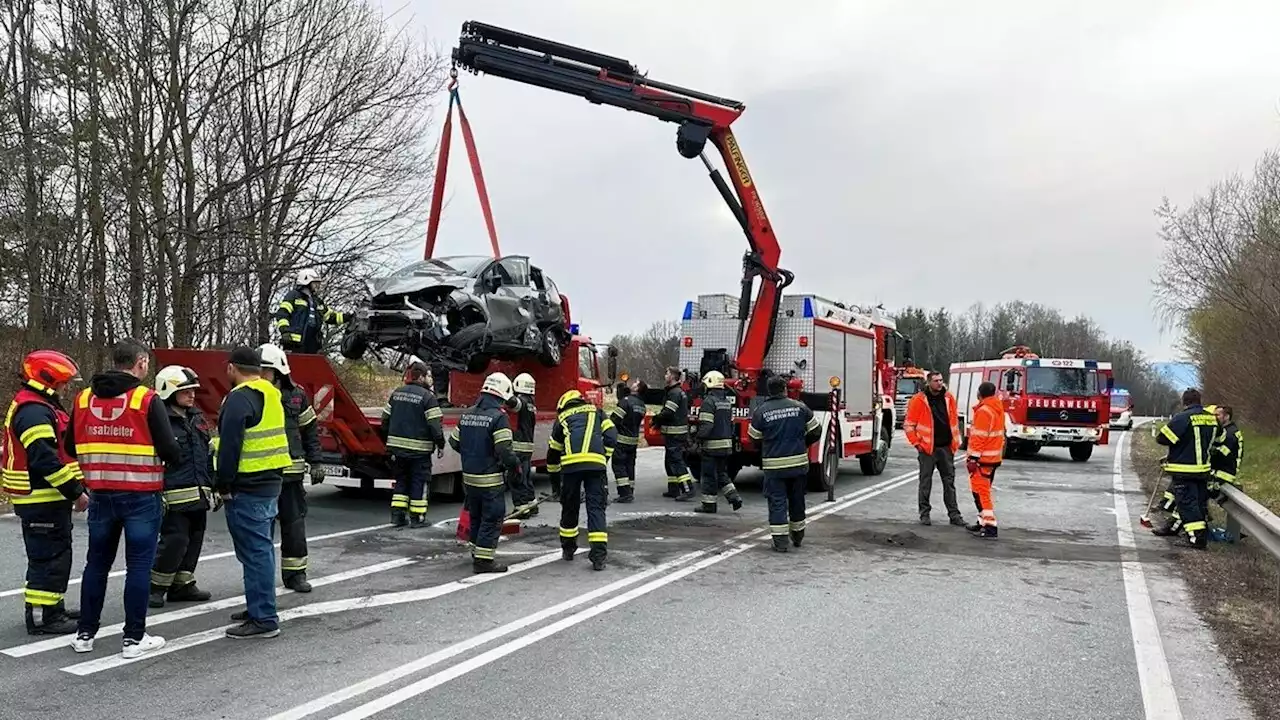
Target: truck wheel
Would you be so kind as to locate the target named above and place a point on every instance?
(873, 463)
(353, 345)
(822, 476)
(549, 351)
(1081, 452)
(471, 340)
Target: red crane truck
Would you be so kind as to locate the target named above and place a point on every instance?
(1049, 402)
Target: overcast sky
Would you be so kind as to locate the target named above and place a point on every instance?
(925, 153)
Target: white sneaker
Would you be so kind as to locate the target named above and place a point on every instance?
(136, 648)
(82, 643)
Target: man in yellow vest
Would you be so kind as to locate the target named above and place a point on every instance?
(252, 454)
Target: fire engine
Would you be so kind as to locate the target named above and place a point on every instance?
(1053, 402)
(1121, 409)
(910, 380)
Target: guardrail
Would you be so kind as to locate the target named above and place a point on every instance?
(1245, 512)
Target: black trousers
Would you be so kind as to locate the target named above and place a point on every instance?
(413, 483)
(291, 517)
(486, 506)
(624, 469)
(1192, 495)
(673, 459)
(46, 533)
(178, 551)
(715, 479)
(786, 503)
(945, 461)
(520, 480)
(595, 483)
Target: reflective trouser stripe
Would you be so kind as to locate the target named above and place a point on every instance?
(597, 537)
(569, 532)
(483, 553)
(796, 525)
(708, 499)
(779, 529)
(183, 577)
(41, 597)
(293, 564)
(418, 507)
(399, 501)
(160, 579)
(623, 481)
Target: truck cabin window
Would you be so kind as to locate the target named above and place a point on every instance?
(908, 386)
(1061, 382)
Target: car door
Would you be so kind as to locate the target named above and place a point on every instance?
(508, 295)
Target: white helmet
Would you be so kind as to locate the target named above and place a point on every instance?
(713, 379)
(307, 276)
(273, 357)
(173, 378)
(497, 384)
(524, 384)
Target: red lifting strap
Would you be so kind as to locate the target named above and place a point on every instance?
(442, 170)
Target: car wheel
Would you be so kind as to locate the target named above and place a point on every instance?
(471, 341)
(549, 351)
(354, 345)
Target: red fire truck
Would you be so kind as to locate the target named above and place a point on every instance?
(354, 455)
(1049, 402)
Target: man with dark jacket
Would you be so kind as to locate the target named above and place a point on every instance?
(301, 428)
(1228, 451)
(673, 422)
(119, 417)
(520, 480)
(581, 442)
(483, 440)
(785, 429)
(302, 314)
(188, 491)
(627, 417)
(1189, 436)
(44, 483)
(252, 454)
(715, 444)
(411, 430)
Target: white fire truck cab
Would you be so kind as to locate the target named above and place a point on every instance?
(1049, 402)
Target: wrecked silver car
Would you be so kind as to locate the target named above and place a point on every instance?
(461, 312)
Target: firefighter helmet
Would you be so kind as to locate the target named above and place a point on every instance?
(49, 368)
(567, 398)
(713, 379)
(306, 276)
(273, 357)
(173, 378)
(524, 384)
(498, 385)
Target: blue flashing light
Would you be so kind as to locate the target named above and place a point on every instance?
(1032, 362)
(688, 310)
(1091, 364)
(573, 328)
(808, 307)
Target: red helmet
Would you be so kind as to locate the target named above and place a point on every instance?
(50, 368)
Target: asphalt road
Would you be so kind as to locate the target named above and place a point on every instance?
(876, 616)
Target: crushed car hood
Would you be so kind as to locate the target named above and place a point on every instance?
(414, 284)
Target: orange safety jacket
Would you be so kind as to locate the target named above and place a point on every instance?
(986, 434)
(918, 425)
(114, 444)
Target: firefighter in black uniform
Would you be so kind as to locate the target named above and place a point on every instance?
(483, 439)
(411, 429)
(304, 450)
(188, 492)
(520, 480)
(1189, 435)
(673, 422)
(715, 440)
(627, 416)
(785, 429)
(1228, 451)
(44, 484)
(302, 313)
(581, 442)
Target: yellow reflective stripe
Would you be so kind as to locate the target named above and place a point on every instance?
(1224, 450)
(618, 412)
(522, 446)
(293, 564)
(100, 448)
(628, 440)
(282, 323)
(407, 443)
(502, 435)
(569, 532)
(675, 429)
(606, 424)
(813, 424)
(783, 529)
(137, 396)
(67, 472)
(706, 417)
(582, 457)
(784, 462)
(1224, 475)
(796, 525)
(483, 553)
(753, 433)
(265, 446)
(454, 435)
(671, 405)
(1194, 526)
(1169, 433)
(43, 495)
(160, 579)
(1186, 469)
(434, 413)
(301, 302)
(553, 467)
(307, 416)
(41, 597)
(482, 480)
(178, 496)
(399, 501)
(285, 304)
(597, 537)
(719, 444)
(555, 445)
(39, 432)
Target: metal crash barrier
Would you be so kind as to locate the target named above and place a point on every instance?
(1243, 512)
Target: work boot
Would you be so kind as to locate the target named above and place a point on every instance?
(1199, 540)
(673, 490)
(48, 620)
(487, 566)
(706, 507)
(598, 554)
(625, 498)
(780, 543)
(1169, 529)
(567, 549)
(989, 532)
(686, 493)
(417, 521)
(62, 609)
(398, 517)
(957, 520)
(974, 528)
(156, 600)
(597, 563)
(924, 520)
(297, 582)
(735, 502)
(797, 537)
(188, 593)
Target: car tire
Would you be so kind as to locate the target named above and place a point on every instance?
(354, 345)
(469, 336)
(549, 351)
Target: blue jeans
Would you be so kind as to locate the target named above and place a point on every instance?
(137, 515)
(249, 519)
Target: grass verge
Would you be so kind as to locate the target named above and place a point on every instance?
(1235, 586)
(5, 506)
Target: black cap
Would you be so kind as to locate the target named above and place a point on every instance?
(246, 357)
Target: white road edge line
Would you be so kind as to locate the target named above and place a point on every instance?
(40, 646)
(227, 554)
(335, 698)
(1159, 698)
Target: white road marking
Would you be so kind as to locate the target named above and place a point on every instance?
(406, 693)
(1159, 699)
(204, 608)
(335, 698)
(321, 608)
(230, 553)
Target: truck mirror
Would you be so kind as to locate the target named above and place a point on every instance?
(1011, 382)
(611, 364)
(907, 355)
(1111, 383)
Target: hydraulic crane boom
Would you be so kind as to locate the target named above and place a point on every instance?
(605, 80)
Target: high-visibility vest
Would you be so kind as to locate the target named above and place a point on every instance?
(14, 470)
(986, 435)
(114, 443)
(918, 426)
(265, 446)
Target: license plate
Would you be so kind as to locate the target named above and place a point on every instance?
(335, 470)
